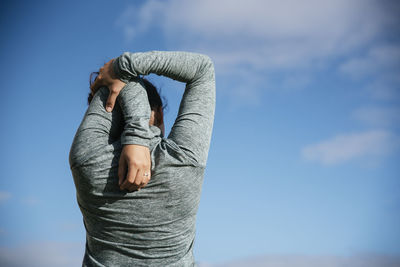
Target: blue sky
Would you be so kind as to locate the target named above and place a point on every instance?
(306, 145)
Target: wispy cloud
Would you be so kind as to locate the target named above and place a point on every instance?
(262, 34)
(263, 38)
(30, 200)
(2, 232)
(385, 86)
(135, 20)
(380, 67)
(379, 59)
(345, 147)
(378, 116)
(362, 260)
(45, 254)
(4, 196)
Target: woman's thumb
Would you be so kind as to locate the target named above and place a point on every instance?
(111, 101)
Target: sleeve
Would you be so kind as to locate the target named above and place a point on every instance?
(193, 126)
(136, 112)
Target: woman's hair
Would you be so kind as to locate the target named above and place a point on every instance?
(153, 94)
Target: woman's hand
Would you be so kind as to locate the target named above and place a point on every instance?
(134, 170)
(108, 78)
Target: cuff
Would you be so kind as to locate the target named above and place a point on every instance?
(118, 72)
(134, 140)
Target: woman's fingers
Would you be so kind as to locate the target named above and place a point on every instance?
(143, 176)
(135, 179)
(106, 77)
(115, 86)
(141, 179)
(134, 169)
(112, 97)
(130, 178)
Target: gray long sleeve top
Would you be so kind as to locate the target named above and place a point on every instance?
(156, 225)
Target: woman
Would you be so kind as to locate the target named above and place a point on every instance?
(154, 226)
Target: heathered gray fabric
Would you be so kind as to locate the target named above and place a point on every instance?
(156, 225)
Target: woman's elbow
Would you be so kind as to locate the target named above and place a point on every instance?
(208, 70)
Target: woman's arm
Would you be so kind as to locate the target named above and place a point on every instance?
(134, 164)
(193, 126)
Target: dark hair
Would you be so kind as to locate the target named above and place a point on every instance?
(92, 78)
(153, 94)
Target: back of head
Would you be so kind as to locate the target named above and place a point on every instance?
(153, 95)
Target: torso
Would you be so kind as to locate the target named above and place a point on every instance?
(155, 225)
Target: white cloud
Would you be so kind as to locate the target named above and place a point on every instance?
(30, 200)
(362, 260)
(378, 116)
(386, 86)
(4, 196)
(262, 34)
(346, 147)
(136, 20)
(276, 38)
(380, 66)
(46, 254)
(378, 59)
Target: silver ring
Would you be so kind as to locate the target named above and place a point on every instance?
(146, 174)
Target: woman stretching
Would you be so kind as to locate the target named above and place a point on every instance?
(153, 226)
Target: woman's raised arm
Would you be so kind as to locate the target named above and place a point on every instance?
(193, 126)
